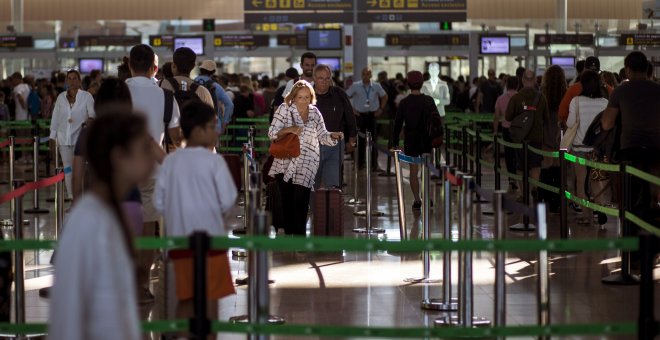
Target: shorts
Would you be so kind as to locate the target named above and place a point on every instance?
(415, 147)
(149, 213)
(218, 277)
(533, 160)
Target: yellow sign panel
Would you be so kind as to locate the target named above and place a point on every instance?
(413, 3)
(271, 3)
(630, 41)
(399, 3)
(348, 67)
(217, 42)
(385, 4)
(285, 4)
(157, 42)
(298, 3)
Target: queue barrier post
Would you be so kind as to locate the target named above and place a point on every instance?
(35, 177)
(478, 158)
(500, 262)
(19, 263)
(446, 302)
(648, 326)
(624, 277)
(447, 144)
(57, 165)
(369, 213)
(464, 148)
(496, 151)
(200, 325)
(246, 196)
(525, 226)
(356, 170)
(543, 282)
(563, 200)
(388, 172)
(59, 204)
(12, 160)
(403, 232)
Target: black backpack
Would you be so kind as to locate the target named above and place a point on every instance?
(183, 96)
(522, 124)
(168, 145)
(210, 85)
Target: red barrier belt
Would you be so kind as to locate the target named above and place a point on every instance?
(453, 180)
(16, 142)
(30, 187)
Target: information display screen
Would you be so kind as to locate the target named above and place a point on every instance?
(495, 45)
(87, 65)
(318, 39)
(194, 43)
(334, 63)
(563, 61)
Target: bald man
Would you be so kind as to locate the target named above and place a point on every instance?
(369, 101)
(528, 98)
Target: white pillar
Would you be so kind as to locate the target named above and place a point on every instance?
(562, 16)
(17, 15)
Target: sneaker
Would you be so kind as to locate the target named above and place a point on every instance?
(145, 297)
(417, 205)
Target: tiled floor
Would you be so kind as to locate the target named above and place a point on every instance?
(368, 289)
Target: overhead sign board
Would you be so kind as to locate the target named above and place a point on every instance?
(240, 40)
(13, 41)
(109, 40)
(412, 10)
(161, 40)
(563, 39)
(298, 11)
(295, 40)
(642, 39)
(427, 40)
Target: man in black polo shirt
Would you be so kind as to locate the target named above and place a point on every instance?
(635, 108)
(337, 113)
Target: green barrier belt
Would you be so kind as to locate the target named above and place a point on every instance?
(591, 164)
(383, 142)
(256, 139)
(382, 121)
(16, 124)
(426, 333)
(542, 185)
(581, 201)
(547, 154)
(356, 331)
(29, 148)
(457, 128)
(225, 138)
(245, 127)
(485, 137)
(487, 164)
(454, 151)
(231, 149)
(471, 132)
(334, 244)
(643, 175)
(508, 144)
(252, 120)
(510, 175)
(470, 157)
(642, 224)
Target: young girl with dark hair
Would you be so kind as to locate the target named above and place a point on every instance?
(94, 292)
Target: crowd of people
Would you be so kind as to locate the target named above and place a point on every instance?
(142, 147)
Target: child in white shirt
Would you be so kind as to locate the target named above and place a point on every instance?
(193, 190)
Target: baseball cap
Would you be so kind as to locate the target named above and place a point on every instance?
(208, 65)
(415, 78)
(292, 73)
(592, 63)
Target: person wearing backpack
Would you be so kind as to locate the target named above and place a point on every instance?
(162, 113)
(184, 88)
(530, 102)
(206, 71)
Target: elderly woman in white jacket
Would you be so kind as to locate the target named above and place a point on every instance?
(73, 108)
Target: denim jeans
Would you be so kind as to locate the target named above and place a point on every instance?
(329, 172)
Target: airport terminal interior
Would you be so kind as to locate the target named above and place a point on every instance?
(477, 224)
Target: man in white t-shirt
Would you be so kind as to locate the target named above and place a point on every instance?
(307, 64)
(150, 99)
(20, 95)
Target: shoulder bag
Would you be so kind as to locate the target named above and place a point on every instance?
(569, 135)
(286, 147)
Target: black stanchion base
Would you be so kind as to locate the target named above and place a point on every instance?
(240, 231)
(490, 213)
(354, 201)
(416, 280)
(36, 210)
(372, 231)
(52, 200)
(521, 227)
(238, 253)
(244, 281)
(452, 321)
(373, 213)
(272, 319)
(620, 279)
(45, 292)
(440, 304)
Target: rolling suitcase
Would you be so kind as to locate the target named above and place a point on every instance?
(235, 168)
(328, 216)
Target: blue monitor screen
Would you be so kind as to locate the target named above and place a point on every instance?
(324, 39)
(495, 45)
(333, 63)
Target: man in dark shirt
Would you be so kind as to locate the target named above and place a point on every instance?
(529, 98)
(337, 113)
(488, 94)
(634, 107)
